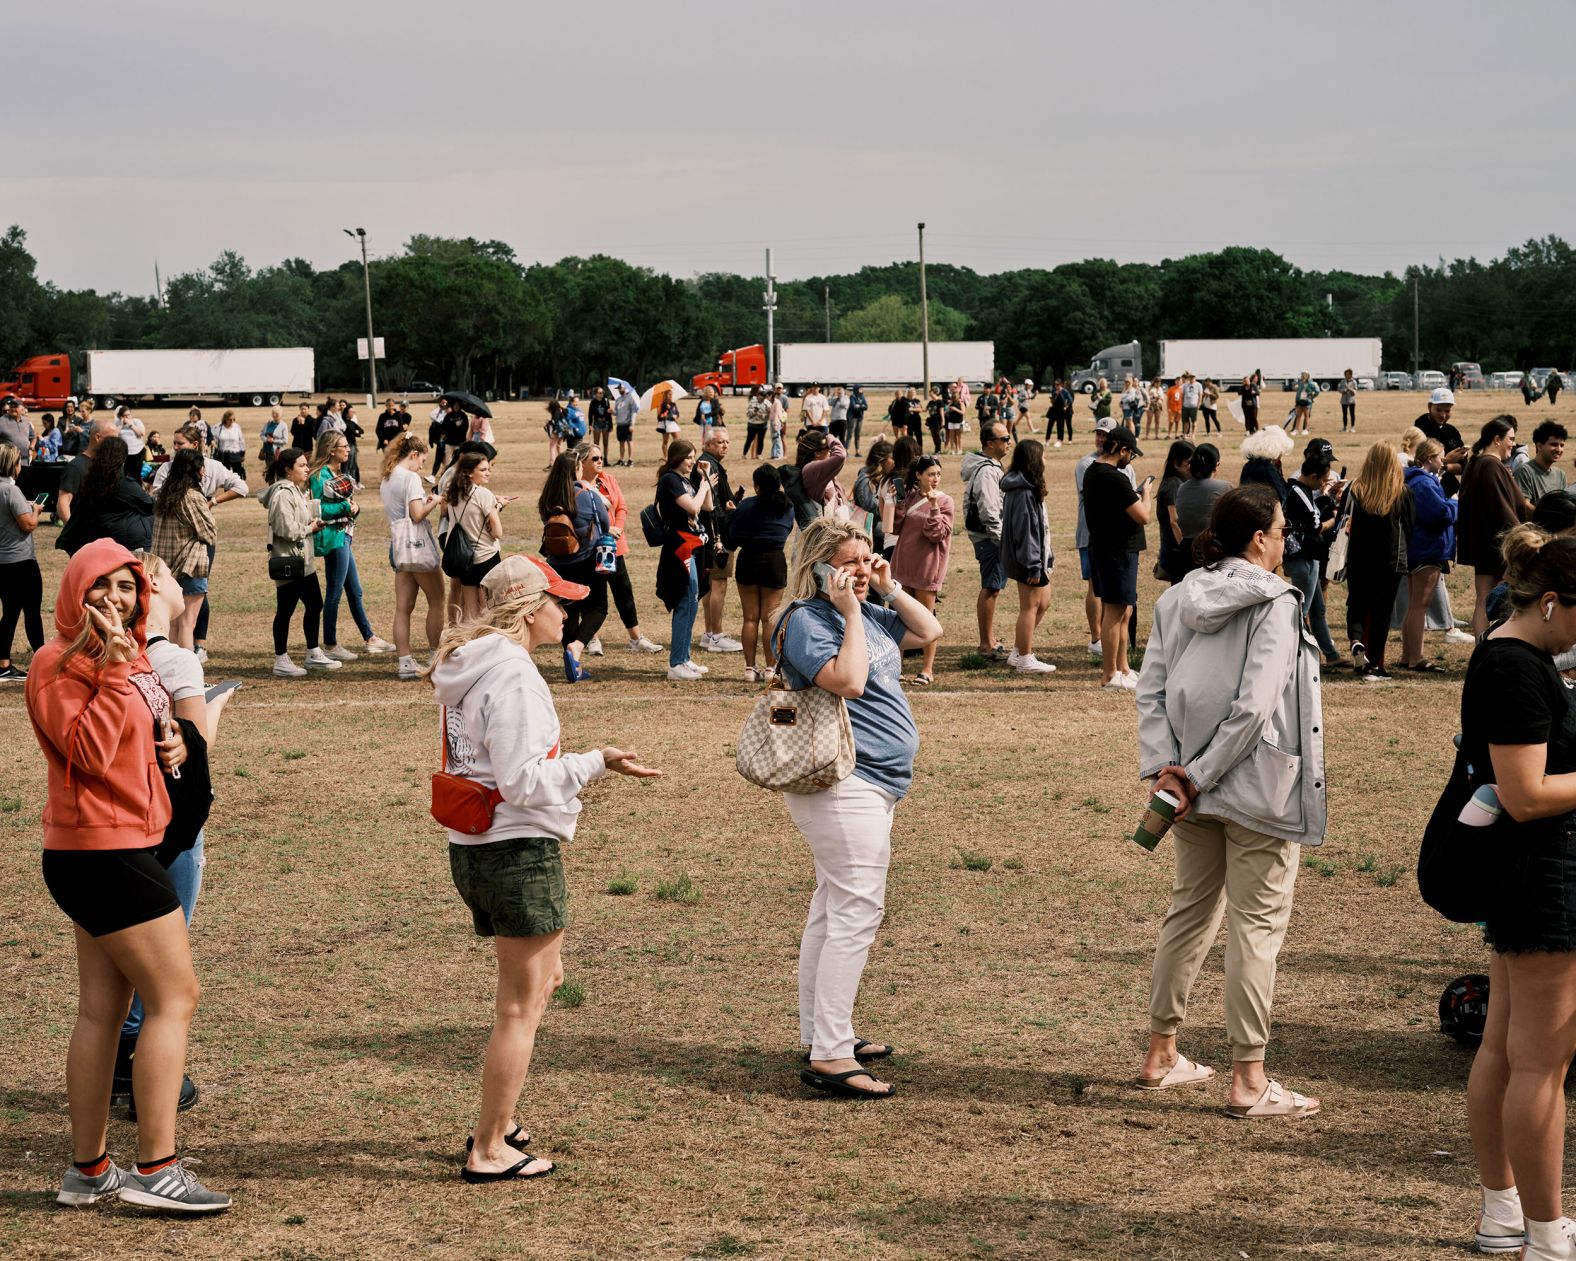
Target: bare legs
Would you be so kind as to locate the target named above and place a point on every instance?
(1420, 591)
(1092, 612)
(928, 599)
(985, 615)
(1482, 584)
(185, 627)
(760, 605)
(1032, 603)
(406, 588)
(529, 970)
(1113, 640)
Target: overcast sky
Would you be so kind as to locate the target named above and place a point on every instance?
(687, 136)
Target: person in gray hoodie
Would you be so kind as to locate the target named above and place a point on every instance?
(1230, 723)
(982, 474)
(501, 735)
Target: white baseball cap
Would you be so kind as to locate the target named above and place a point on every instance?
(1442, 397)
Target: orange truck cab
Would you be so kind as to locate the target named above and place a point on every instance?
(745, 367)
(44, 381)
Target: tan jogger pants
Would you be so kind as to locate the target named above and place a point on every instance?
(1224, 869)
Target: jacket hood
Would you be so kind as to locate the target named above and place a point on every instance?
(972, 461)
(273, 490)
(470, 663)
(1414, 472)
(1015, 481)
(1212, 597)
(92, 561)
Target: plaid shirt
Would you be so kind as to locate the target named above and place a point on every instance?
(182, 538)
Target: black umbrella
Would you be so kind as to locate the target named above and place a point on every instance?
(468, 402)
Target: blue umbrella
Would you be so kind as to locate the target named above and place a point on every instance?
(618, 383)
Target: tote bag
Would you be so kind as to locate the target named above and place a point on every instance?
(412, 548)
(796, 741)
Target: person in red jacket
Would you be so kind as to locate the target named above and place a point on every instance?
(102, 719)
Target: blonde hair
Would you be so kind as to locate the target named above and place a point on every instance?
(1537, 561)
(326, 441)
(1380, 484)
(400, 449)
(506, 618)
(10, 460)
(1410, 437)
(1427, 449)
(88, 639)
(818, 543)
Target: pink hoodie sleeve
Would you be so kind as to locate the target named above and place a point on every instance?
(86, 720)
(938, 521)
(819, 474)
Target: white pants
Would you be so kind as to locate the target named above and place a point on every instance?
(849, 828)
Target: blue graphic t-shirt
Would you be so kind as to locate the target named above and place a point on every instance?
(886, 741)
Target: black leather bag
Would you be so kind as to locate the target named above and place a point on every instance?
(286, 568)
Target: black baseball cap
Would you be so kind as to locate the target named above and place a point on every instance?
(1122, 437)
(1319, 449)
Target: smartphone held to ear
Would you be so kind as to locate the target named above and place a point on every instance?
(823, 577)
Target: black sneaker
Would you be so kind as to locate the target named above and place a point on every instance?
(13, 674)
(187, 1100)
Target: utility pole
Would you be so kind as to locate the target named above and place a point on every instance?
(924, 314)
(769, 300)
(1414, 330)
(826, 294)
(366, 285)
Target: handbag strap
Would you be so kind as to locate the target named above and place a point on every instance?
(779, 637)
(443, 738)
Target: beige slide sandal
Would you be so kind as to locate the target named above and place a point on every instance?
(1182, 1073)
(1276, 1101)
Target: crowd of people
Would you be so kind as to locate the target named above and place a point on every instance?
(1229, 710)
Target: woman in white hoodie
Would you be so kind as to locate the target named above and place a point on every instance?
(501, 731)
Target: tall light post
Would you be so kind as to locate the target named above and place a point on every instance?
(924, 312)
(769, 304)
(366, 284)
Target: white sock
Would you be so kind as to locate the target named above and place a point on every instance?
(1547, 1236)
(1501, 1206)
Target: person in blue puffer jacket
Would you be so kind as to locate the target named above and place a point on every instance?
(1429, 548)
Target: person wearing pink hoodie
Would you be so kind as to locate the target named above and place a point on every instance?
(103, 721)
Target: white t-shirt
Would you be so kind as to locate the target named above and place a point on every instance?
(231, 439)
(178, 669)
(215, 477)
(814, 408)
(472, 518)
(1192, 392)
(398, 489)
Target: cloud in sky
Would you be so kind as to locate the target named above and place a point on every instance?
(687, 136)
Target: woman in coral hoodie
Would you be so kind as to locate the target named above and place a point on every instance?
(102, 719)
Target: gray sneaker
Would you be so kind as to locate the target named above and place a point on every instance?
(175, 1188)
(78, 1190)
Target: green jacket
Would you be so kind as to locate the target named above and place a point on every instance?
(330, 537)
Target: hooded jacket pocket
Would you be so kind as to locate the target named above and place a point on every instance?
(1267, 785)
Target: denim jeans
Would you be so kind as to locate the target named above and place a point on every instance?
(684, 619)
(777, 444)
(1303, 573)
(339, 573)
(186, 875)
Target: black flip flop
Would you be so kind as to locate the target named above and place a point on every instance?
(510, 1174)
(837, 1083)
(516, 1138)
(1426, 667)
(862, 1052)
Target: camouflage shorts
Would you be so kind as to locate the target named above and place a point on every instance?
(514, 888)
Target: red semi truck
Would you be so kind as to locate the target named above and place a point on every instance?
(41, 382)
(736, 369)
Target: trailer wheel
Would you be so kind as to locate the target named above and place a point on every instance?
(107, 402)
(1086, 388)
(273, 400)
(255, 400)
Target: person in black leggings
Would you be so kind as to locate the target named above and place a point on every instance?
(293, 518)
(21, 584)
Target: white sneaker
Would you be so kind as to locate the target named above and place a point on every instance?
(340, 653)
(768, 674)
(1094, 648)
(317, 659)
(202, 653)
(750, 675)
(1030, 664)
(642, 644)
(718, 642)
(286, 668)
(698, 666)
(1454, 636)
(1563, 1248)
(408, 669)
(1495, 1237)
(1132, 677)
(685, 672)
(378, 647)
(1058, 444)
(594, 648)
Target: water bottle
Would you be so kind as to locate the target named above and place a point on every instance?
(606, 554)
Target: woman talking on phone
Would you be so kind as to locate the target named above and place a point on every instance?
(501, 731)
(834, 639)
(102, 719)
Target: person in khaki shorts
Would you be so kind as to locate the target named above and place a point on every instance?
(1230, 722)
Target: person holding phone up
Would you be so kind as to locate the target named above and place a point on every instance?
(1116, 515)
(834, 639)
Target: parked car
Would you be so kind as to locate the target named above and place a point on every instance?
(1540, 377)
(1365, 383)
(421, 390)
(1397, 380)
(1471, 375)
(1430, 380)
(1510, 380)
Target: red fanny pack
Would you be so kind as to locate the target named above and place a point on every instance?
(460, 804)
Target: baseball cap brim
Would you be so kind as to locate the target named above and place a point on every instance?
(558, 585)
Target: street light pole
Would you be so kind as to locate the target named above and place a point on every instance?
(769, 301)
(924, 313)
(366, 285)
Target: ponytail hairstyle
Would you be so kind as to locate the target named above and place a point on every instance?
(400, 449)
(1537, 562)
(922, 465)
(880, 449)
(1206, 459)
(1181, 454)
(1493, 431)
(810, 445)
(1028, 461)
(1238, 515)
(769, 489)
(1426, 449)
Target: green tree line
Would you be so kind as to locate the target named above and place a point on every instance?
(468, 313)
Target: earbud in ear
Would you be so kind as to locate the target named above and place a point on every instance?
(1548, 610)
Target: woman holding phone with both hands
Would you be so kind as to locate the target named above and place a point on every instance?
(102, 719)
(834, 639)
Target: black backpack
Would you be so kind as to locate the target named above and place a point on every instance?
(1455, 861)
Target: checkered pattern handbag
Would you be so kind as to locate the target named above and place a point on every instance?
(796, 741)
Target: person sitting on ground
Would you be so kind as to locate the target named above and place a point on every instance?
(1229, 723)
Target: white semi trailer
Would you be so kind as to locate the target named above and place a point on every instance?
(254, 378)
(1231, 360)
(883, 364)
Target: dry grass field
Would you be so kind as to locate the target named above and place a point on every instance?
(346, 1002)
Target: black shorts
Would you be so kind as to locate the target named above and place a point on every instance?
(105, 890)
(474, 575)
(1114, 578)
(625, 433)
(761, 569)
